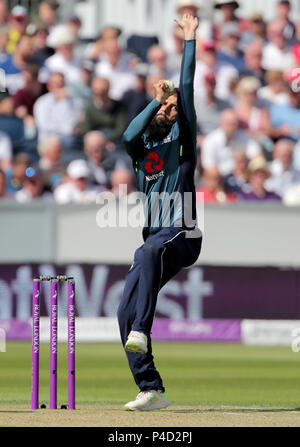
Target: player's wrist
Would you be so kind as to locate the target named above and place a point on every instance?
(189, 35)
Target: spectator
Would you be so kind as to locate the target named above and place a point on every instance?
(16, 62)
(228, 9)
(33, 187)
(63, 61)
(16, 175)
(175, 57)
(137, 99)
(100, 164)
(257, 31)
(285, 118)
(252, 117)
(6, 151)
(229, 52)
(275, 90)
(108, 33)
(276, 54)
(103, 113)
(3, 12)
(48, 13)
(76, 189)
(207, 62)
(209, 108)
(219, 146)
(50, 164)
(258, 173)
(25, 98)
(41, 50)
(213, 188)
(115, 66)
(238, 180)
(82, 90)
(3, 191)
(56, 113)
(158, 57)
(253, 61)
(284, 176)
(18, 21)
(283, 9)
(122, 183)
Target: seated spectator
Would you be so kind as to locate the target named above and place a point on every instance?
(276, 53)
(238, 180)
(63, 61)
(213, 188)
(256, 31)
(258, 173)
(6, 151)
(76, 189)
(253, 61)
(50, 164)
(158, 59)
(283, 10)
(275, 90)
(219, 146)
(207, 62)
(25, 98)
(48, 13)
(16, 175)
(57, 113)
(229, 52)
(3, 191)
(103, 113)
(33, 187)
(284, 176)
(136, 99)
(122, 184)
(209, 108)
(108, 33)
(99, 161)
(16, 62)
(41, 50)
(3, 12)
(18, 21)
(115, 65)
(252, 117)
(285, 118)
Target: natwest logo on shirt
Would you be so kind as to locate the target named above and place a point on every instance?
(154, 163)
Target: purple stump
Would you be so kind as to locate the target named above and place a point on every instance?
(71, 344)
(35, 343)
(53, 344)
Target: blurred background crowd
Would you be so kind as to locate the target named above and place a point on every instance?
(65, 103)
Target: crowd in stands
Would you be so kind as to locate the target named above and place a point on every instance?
(65, 103)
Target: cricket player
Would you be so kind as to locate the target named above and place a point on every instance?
(162, 144)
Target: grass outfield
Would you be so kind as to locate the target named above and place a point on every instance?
(207, 378)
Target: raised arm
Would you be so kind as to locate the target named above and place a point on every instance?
(189, 25)
(137, 127)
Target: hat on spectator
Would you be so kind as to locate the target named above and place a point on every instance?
(19, 11)
(209, 45)
(258, 164)
(62, 35)
(78, 169)
(230, 29)
(220, 3)
(187, 4)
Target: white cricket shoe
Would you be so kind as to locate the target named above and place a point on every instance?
(136, 342)
(147, 401)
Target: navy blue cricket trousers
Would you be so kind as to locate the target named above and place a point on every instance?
(162, 255)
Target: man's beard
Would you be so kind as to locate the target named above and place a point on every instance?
(159, 130)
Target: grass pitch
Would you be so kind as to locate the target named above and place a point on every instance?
(208, 385)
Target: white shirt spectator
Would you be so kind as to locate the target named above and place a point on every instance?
(224, 73)
(292, 196)
(121, 77)
(267, 95)
(276, 59)
(56, 118)
(70, 69)
(5, 150)
(281, 181)
(217, 152)
(68, 193)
